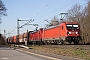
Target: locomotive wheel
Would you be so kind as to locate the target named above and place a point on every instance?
(76, 42)
(62, 42)
(70, 42)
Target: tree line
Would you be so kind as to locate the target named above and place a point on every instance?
(2, 40)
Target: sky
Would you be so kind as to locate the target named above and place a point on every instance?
(39, 10)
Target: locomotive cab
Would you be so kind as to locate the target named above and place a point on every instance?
(72, 29)
(73, 32)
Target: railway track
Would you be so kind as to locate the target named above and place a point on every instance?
(87, 47)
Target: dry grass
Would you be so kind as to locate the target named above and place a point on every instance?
(71, 52)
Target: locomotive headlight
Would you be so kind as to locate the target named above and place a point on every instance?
(69, 32)
(76, 32)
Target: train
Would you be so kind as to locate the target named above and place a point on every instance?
(64, 33)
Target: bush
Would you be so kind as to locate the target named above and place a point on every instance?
(2, 40)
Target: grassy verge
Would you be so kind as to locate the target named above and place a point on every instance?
(71, 52)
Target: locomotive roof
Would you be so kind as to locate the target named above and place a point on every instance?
(71, 22)
(61, 23)
(52, 27)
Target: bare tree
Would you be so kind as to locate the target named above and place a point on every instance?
(55, 21)
(2, 41)
(2, 10)
(75, 13)
(86, 23)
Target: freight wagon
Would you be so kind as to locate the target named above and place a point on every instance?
(14, 39)
(65, 32)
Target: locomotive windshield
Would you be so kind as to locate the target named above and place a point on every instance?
(72, 26)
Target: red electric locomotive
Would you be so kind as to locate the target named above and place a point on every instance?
(65, 32)
(36, 36)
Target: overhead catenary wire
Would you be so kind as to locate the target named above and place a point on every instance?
(10, 31)
(48, 8)
(56, 10)
(43, 8)
(48, 5)
(41, 11)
